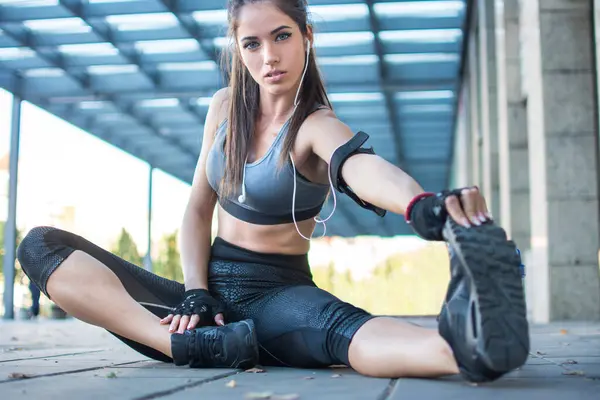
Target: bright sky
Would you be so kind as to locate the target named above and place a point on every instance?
(65, 166)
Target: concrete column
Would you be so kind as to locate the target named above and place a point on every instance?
(512, 127)
(489, 105)
(461, 160)
(474, 108)
(563, 281)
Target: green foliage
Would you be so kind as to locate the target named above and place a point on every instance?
(411, 283)
(126, 248)
(168, 264)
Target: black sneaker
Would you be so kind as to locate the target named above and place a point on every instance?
(484, 316)
(231, 346)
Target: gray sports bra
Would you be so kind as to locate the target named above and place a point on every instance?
(269, 190)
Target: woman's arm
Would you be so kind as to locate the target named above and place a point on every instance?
(197, 220)
(372, 178)
(195, 233)
(379, 182)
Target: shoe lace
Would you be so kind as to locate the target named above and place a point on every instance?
(208, 346)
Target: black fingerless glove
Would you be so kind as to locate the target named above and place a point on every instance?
(200, 302)
(427, 213)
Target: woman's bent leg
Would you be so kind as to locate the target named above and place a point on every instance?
(102, 289)
(390, 348)
(88, 290)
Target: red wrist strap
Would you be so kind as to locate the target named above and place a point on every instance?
(414, 201)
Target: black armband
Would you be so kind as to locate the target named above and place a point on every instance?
(339, 157)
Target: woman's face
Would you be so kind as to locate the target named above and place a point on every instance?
(271, 46)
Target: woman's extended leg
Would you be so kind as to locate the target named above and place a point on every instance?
(307, 327)
(390, 348)
(100, 288)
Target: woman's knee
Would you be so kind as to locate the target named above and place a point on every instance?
(41, 251)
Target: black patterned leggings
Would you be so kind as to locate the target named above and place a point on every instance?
(297, 324)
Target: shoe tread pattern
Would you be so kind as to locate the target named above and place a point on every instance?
(493, 264)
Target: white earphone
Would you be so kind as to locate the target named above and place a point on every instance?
(242, 197)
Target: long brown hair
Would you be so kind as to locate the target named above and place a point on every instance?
(244, 100)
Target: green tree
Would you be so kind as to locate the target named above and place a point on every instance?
(126, 248)
(168, 264)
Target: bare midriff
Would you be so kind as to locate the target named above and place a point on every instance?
(278, 239)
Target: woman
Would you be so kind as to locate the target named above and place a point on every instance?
(272, 149)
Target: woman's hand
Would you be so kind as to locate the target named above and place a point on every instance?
(427, 213)
(198, 308)
(467, 207)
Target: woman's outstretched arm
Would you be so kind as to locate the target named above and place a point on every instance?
(377, 181)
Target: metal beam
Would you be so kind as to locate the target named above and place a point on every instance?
(85, 85)
(192, 30)
(388, 95)
(148, 258)
(10, 229)
(185, 8)
(383, 74)
(131, 59)
(192, 91)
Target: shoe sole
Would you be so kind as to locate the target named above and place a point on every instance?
(493, 266)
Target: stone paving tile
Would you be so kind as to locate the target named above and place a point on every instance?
(140, 380)
(286, 383)
(543, 388)
(19, 353)
(53, 365)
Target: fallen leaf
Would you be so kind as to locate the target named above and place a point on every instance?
(578, 373)
(14, 338)
(259, 396)
(336, 376)
(111, 375)
(563, 331)
(19, 375)
(539, 353)
(255, 371)
(231, 384)
(308, 377)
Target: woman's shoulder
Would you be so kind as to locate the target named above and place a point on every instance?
(319, 114)
(217, 113)
(319, 118)
(219, 104)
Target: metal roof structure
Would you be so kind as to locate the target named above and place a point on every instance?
(139, 74)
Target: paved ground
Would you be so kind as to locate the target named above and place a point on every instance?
(68, 359)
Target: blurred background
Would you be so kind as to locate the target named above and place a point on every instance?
(102, 106)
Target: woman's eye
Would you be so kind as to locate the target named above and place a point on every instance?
(250, 45)
(283, 36)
